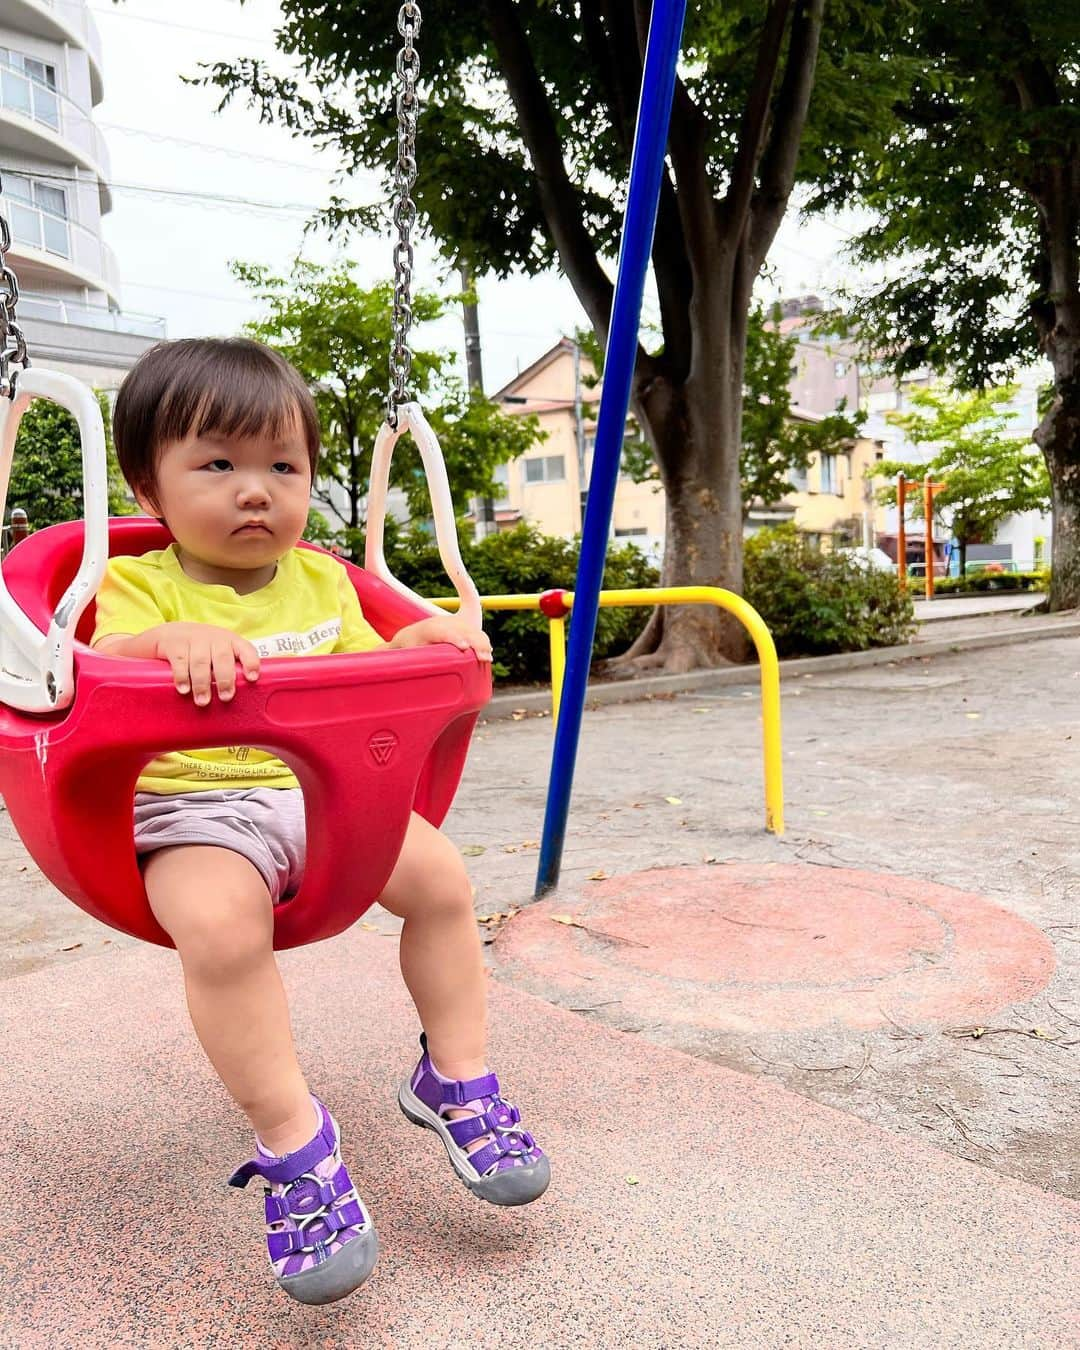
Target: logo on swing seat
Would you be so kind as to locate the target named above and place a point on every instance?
(382, 746)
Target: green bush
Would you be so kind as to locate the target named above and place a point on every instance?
(524, 561)
(816, 602)
(976, 582)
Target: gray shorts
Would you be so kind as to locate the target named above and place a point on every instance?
(264, 825)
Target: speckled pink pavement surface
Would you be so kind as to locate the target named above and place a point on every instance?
(757, 1219)
(759, 945)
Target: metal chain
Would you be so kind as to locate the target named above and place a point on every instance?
(12, 341)
(408, 68)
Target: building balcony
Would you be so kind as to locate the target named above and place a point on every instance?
(49, 250)
(48, 309)
(67, 21)
(40, 122)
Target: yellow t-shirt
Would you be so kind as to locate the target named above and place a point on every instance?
(308, 609)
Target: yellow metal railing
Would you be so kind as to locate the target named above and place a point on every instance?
(556, 605)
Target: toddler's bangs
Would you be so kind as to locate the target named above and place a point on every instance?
(242, 392)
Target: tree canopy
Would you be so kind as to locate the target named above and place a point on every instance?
(46, 474)
(989, 472)
(337, 335)
(526, 124)
(964, 142)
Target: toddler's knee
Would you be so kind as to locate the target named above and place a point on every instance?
(225, 939)
(451, 888)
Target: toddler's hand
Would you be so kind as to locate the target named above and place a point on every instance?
(444, 628)
(202, 656)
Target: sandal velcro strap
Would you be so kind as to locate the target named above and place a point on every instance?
(468, 1090)
(290, 1166)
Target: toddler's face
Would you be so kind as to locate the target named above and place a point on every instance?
(234, 503)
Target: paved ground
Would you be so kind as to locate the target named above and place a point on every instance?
(968, 606)
(755, 1147)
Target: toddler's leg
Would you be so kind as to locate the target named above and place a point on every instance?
(214, 905)
(441, 956)
(450, 1090)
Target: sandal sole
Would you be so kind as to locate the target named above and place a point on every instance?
(514, 1186)
(337, 1278)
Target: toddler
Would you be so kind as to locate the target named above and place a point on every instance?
(219, 440)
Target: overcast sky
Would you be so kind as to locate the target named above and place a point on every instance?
(189, 183)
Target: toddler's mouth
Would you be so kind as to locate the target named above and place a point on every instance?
(253, 527)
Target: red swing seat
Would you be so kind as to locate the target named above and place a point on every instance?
(371, 737)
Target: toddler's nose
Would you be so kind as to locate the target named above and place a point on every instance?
(252, 492)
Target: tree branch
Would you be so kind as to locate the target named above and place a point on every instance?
(777, 173)
(671, 260)
(620, 104)
(755, 120)
(559, 199)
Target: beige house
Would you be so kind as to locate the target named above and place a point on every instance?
(544, 486)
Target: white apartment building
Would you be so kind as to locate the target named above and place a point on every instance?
(54, 165)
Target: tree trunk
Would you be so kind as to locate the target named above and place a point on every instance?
(963, 557)
(695, 431)
(1058, 436)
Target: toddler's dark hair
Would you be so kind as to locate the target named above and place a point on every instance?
(228, 386)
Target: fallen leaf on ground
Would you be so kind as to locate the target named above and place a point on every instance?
(711, 859)
(530, 843)
(673, 801)
(973, 716)
(567, 919)
(473, 850)
(632, 1181)
(370, 927)
(517, 714)
(598, 875)
(510, 848)
(701, 710)
(72, 947)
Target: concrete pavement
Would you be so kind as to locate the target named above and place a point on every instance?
(814, 1091)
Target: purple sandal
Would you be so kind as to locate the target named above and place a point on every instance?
(321, 1242)
(510, 1169)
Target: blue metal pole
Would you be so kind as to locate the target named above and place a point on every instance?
(646, 168)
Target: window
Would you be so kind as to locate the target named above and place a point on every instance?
(36, 70)
(633, 532)
(798, 480)
(829, 477)
(545, 469)
(38, 213)
(29, 87)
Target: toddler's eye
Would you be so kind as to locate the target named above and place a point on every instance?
(220, 465)
(282, 467)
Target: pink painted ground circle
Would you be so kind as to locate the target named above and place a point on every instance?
(779, 946)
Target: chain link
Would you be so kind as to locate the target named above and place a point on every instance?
(408, 68)
(12, 340)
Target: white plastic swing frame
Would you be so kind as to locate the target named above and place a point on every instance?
(36, 668)
(411, 418)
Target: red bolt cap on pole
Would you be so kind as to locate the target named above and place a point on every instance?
(553, 604)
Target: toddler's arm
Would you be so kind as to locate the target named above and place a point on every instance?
(201, 656)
